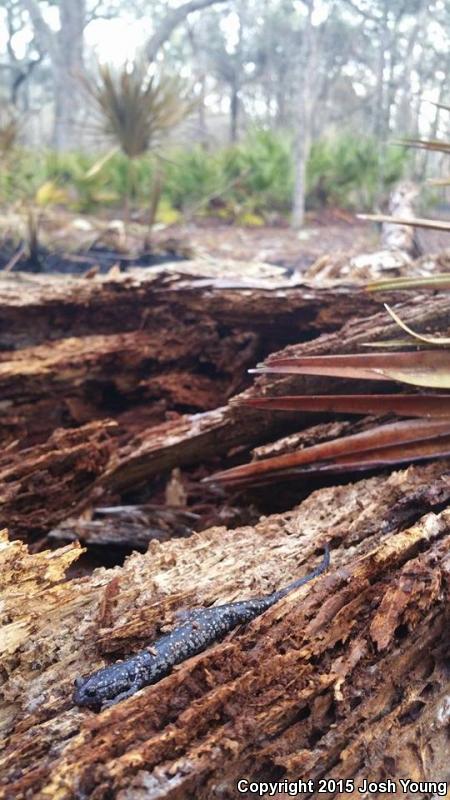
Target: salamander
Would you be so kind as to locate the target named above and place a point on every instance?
(200, 628)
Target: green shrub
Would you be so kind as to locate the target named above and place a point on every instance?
(247, 181)
(345, 171)
(261, 171)
(191, 177)
(21, 173)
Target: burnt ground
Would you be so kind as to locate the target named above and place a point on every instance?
(326, 232)
(72, 244)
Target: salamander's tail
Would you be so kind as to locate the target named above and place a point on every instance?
(322, 567)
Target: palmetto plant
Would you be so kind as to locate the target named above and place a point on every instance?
(137, 109)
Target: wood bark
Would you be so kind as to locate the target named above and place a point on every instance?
(35, 309)
(344, 678)
(42, 485)
(133, 526)
(143, 345)
(108, 392)
(88, 368)
(65, 51)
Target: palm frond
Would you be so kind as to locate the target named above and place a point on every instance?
(426, 144)
(136, 108)
(431, 406)
(416, 222)
(430, 368)
(379, 444)
(438, 281)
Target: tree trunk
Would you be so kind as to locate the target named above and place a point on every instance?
(65, 51)
(67, 71)
(173, 18)
(301, 153)
(234, 111)
(302, 120)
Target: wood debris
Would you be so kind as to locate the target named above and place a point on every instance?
(352, 660)
(121, 394)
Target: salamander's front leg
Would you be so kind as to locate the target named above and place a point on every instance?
(122, 696)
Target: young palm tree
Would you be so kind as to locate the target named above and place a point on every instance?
(137, 109)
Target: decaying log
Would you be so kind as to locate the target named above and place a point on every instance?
(197, 438)
(147, 343)
(43, 485)
(344, 678)
(132, 458)
(38, 309)
(134, 526)
(77, 379)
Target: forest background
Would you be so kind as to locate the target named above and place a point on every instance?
(288, 104)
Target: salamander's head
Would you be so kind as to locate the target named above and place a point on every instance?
(85, 693)
(103, 685)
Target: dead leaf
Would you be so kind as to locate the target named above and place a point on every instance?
(428, 368)
(404, 405)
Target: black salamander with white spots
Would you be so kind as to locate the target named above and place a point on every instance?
(200, 628)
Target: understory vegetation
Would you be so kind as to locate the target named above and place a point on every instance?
(250, 182)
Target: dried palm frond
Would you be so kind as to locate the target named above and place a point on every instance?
(381, 445)
(430, 368)
(378, 446)
(438, 281)
(403, 405)
(415, 222)
(440, 341)
(426, 144)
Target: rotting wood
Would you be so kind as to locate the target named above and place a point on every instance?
(141, 345)
(37, 309)
(141, 451)
(352, 663)
(132, 526)
(41, 486)
(196, 438)
(78, 379)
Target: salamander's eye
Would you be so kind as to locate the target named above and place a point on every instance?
(90, 691)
